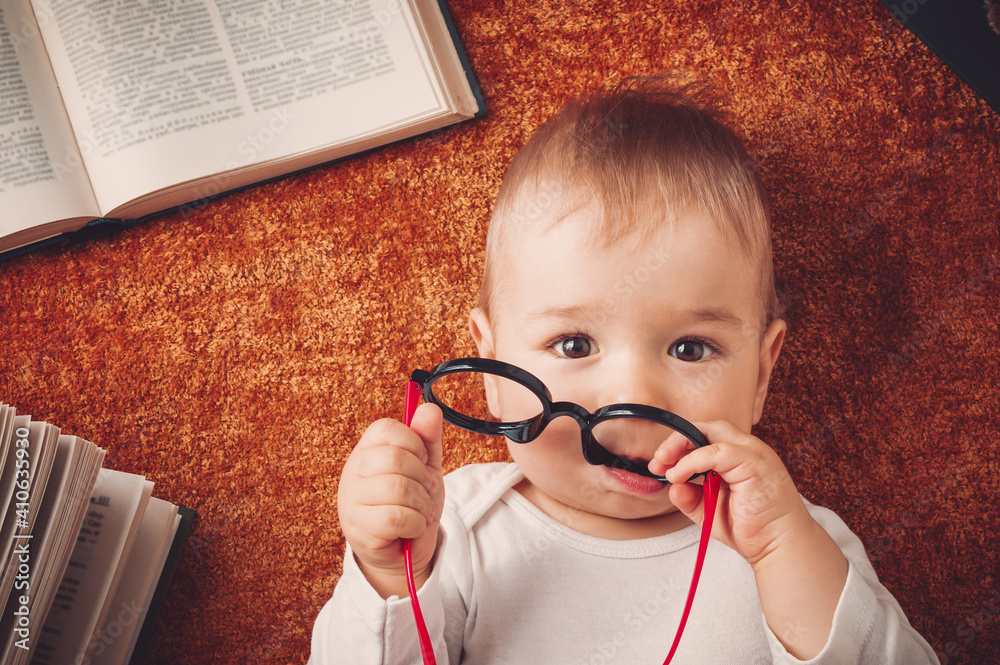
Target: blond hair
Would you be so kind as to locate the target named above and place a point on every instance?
(645, 151)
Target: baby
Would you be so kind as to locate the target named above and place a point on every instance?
(628, 261)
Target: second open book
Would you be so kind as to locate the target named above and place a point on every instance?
(124, 109)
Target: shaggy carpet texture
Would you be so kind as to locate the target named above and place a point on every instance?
(235, 351)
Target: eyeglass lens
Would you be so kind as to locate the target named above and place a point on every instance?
(631, 437)
(486, 397)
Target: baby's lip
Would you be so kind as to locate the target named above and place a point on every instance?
(637, 458)
(637, 463)
(640, 483)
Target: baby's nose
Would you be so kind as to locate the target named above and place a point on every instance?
(637, 381)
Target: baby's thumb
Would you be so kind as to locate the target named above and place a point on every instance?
(427, 423)
(687, 497)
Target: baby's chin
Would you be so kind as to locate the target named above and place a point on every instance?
(629, 506)
(628, 510)
(632, 522)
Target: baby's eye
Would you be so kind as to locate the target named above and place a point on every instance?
(572, 346)
(691, 350)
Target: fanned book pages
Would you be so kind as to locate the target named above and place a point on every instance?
(117, 111)
(87, 551)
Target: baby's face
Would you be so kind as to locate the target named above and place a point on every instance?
(673, 324)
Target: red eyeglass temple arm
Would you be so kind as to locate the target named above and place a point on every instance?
(413, 390)
(711, 493)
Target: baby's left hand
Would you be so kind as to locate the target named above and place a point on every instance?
(759, 507)
(799, 570)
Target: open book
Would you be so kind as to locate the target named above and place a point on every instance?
(122, 110)
(86, 553)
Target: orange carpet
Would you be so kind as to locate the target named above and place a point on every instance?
(234, 351)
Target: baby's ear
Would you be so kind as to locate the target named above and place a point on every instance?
(482, 335)
(770, 349)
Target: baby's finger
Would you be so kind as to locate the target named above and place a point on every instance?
(699, 461)
(390, 460)
(427, 423)
(390, 523)
(687, 497)
(729, 448)
(389, 432)
(669, 452)
(395, 491)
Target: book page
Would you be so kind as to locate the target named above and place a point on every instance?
(8, 480)
(26, 473)
(95, 567)
(116, 640)
(45, 551)
(41, 171)
(220, 86)
(7, 414)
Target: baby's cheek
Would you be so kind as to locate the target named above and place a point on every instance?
(731, 399)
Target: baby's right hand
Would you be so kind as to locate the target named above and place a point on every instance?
(392, 489)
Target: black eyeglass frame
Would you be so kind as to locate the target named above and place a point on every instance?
(526, 431)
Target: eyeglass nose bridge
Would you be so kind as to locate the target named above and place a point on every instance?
(528, 430)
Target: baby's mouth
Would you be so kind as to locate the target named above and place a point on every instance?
(639, 481)
(598, 455)
(633, 465)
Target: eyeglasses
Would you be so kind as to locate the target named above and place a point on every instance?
(457, 386)
(470, 391)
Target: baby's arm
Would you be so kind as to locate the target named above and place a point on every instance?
(799, 570)
(391, 489)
